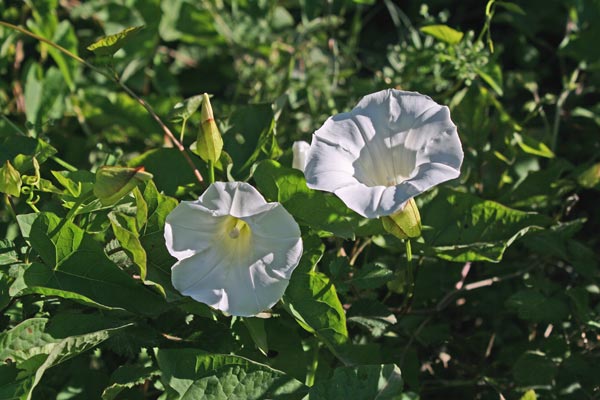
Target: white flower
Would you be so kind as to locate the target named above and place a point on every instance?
(236, 252)
(300, 150)
(391, 147)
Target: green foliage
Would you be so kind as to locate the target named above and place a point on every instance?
(499, 296)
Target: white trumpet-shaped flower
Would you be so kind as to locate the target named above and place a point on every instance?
(235, 251)
(391, 147)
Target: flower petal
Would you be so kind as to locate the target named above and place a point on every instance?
(237, 199)
(392, 146)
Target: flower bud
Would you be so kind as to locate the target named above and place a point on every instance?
(406, 223)
(209, 143)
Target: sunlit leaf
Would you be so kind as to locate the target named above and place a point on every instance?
(112, 183)
(10, 180)
(443, 33)
(109, 45)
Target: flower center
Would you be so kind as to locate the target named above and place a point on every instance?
(236, 237)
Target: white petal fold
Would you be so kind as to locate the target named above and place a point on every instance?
(235, 251)
(392, 146)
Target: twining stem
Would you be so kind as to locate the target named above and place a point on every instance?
(312, 368)
(144, 104)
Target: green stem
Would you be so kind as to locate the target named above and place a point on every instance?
(410, 278)
(64, 164)
(182, 130)
(142, 102)
(312, 368)
(211, 172)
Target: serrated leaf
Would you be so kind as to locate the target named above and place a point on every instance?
(194, 374)
(464, 227)
(112, 183)
(109, 45)
(443, 33)
(382, 382)
(312, 300)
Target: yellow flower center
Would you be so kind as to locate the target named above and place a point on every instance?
(236, 236)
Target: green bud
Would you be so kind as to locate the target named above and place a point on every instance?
(112, 183)
(210, 143)
(404, 224)
(10, 180)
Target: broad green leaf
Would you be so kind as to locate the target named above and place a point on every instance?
(382, 382)
(125, 230)
(12, 146)
(371, 276)
(531, 305)
(590, 178)
(194, 374)
(533, 369)
(8, 252)
(127, 377)
(312, 300)
(256, 327)
(109, 45)
(529, 395)
(372, 315)
(321, 211)
(464, 227)
(184, 110)
(10, 180)
(250, 136)
(76, 268)
(54, 238)
(443, 33)
(531, 146)
(37, 344)
(112, 183)
(170, 170)
(44, 95)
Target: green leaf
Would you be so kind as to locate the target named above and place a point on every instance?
(127, 377)
(10, 180)
(512, 7)
(532, 305)
(529, 395)
(531, 146)
(382, 382)
(194, 374)
(125, 230)
(443, 33)
(256, 327)
(37, 344)
(250, 136)
(590, 178)
(12, 146)
(8, 252)
(492, 75)
(372, 315)
(53, 238)
(109, 45)
(321, 211)
(170, 170)
(184, 110)
(112, 183)
(76, 268)
(534, 368)
(464, 227)
(371, 276)
(312, 300)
